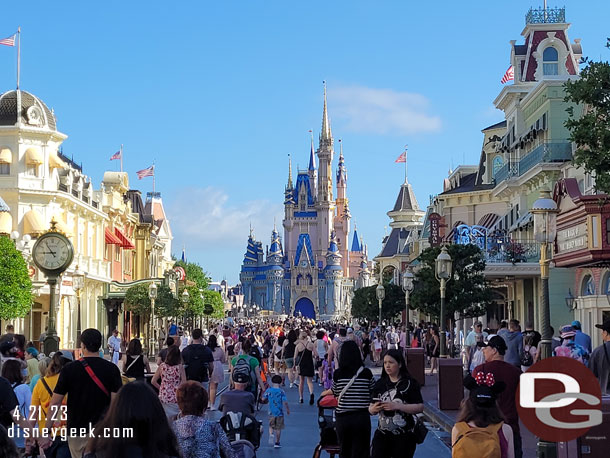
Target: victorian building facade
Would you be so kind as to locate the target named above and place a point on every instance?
(318, 264)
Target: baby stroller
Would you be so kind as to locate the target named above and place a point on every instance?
(328, 434)
(244, 433)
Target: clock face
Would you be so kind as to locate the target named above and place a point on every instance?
(303, 263)
(53, 252)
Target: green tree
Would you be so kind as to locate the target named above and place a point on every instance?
(467, 291)
(15, 284)
(590, 127)
(195, 273)
(195, 305)
(166, 304)
(214, 305)
(137, 300)
(366, 305)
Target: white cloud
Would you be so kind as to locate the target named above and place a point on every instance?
(204, 218)
(382, 111)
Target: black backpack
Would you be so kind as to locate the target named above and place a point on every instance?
(526, 357)
(196, 368)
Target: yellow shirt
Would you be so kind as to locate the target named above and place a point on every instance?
(41, 398)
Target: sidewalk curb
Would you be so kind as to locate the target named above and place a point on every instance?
(438, 416)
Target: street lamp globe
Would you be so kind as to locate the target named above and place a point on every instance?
(15, 235)
(570, 300)
(380, 291)
(545, 217)
(443, 265)
(407, 281)
(152, 291)
(185, 296)
(78, 279)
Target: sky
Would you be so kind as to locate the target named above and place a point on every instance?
(217, 94)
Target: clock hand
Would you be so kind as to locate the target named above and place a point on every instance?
(49, 248)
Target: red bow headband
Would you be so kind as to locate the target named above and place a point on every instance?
(485, 379)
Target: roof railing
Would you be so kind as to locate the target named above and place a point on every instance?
(546, 16)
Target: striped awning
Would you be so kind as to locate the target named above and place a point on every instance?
(125, 242)
(32, 223)
(33, 156)
(55, 162)
(449, 236)
(111, 239)
(488, 220)
(6, 156)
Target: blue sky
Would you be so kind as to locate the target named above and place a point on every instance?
(218, 94)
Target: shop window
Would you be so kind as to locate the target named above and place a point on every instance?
(588, 287)
(31, 170)
(5, 169)
(550, 61)
(117, 254)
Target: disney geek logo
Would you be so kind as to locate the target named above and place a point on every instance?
(559, 399)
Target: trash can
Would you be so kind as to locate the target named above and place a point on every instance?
(594, 443)
(450, 383)
(416, 364)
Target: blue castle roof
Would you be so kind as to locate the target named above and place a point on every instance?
(356, 242)
(303, 180)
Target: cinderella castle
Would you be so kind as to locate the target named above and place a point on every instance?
(316, 269)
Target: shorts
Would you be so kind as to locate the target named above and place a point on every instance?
(289, 363)
(279, 365)
(276, 423)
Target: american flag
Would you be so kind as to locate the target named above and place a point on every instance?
(10, 41)
(149, 172)
(509, 75)
(402, 158)
(116, 155)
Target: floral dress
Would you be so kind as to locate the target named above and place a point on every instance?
(201, 438)
(170, 381)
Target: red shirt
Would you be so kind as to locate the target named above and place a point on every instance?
(509, 374)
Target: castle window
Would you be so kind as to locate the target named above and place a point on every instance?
(550, 61)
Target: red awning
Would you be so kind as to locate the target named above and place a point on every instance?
(112, 239)
(125, 242)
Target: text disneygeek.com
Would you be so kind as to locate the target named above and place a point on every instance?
(65, 433)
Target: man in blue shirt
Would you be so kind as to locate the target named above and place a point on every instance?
(581, 338)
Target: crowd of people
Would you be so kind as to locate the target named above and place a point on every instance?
(53, 402)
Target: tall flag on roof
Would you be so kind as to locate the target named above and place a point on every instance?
(118, 155)
(402, 159)
(509, 75)
(148, 172)
(9, 41)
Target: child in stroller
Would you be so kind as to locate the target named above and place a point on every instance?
(244, 431)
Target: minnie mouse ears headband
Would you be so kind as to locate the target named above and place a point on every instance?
(485, 379)
(483, 388)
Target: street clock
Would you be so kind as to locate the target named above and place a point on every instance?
(52, 253)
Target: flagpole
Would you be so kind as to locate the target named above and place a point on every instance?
(18, 55)
(153, 177)
(121, 157)
(405, 163)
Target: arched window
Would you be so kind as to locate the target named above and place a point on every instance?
(550, 61)
(605, 287)
(497, 165)
(587, 288)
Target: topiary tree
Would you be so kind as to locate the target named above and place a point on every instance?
(15, 284)
(137, 300)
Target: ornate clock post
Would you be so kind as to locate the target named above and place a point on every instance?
(52, 253)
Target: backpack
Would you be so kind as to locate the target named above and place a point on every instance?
(473, 442)
(242, 366)
(256, 353)
(197, 368)
(526, 356)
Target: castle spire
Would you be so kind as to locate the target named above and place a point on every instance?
(289, 186)
(312, 159)
(326, 133)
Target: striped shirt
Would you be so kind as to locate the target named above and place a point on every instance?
(358, 396)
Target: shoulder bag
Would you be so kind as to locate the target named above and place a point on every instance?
(94, 377)
(419, 430)
(330, 400)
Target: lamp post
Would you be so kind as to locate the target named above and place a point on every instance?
(571, 300)
(407, 287)
(78, 283)
(443, 275)
(152, 295)
(545, 218)
(185, 297)
(380, 291)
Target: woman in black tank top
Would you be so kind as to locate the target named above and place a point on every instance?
(135, 364)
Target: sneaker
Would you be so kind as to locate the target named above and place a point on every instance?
(277, 445)
(311, 399)
(212, 408)
(271, 439)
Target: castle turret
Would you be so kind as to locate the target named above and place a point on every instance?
(333, 274)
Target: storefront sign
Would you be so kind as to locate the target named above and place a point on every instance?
(572, 238)
(435, 228)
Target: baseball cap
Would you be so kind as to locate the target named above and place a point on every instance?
(67, 354)
(567, 331)
(605, 326)
(576, 324)
(496, 342)
(240, 377)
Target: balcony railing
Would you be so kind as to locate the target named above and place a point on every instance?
(544, 153)
(510, 251)
(545, 16)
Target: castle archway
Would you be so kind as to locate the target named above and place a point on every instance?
(306, 307)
